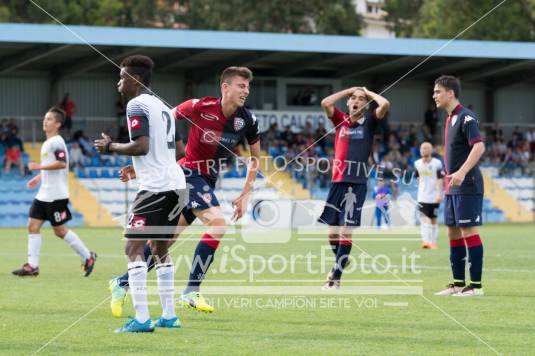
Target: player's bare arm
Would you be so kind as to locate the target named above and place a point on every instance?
(34, 166)
(457, 178)
(32, 183)
(240, 203)
(138, 147)
(329, 102)
(383, 103)
(180, 149)
(440, 196)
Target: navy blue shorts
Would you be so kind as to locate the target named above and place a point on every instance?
(463, 210)
(201, 195)
(344, 204)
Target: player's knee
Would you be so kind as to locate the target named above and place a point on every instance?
(333, 237)
(160, 251)
(469, 231)
(218, 226)
(454, 233)
(33, 229)
(60, 231)
(135, 250)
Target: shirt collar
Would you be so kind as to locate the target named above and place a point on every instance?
(356, 123)
(456, 110)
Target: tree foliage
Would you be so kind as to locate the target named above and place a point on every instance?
(514, 20)
(297, 16)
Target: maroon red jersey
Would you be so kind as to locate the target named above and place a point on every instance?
(352, 147)
(212, 136)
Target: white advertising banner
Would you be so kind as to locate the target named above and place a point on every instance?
(291, 118)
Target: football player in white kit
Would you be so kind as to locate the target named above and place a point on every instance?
(430, 175)
(51, 202)
(161, 196)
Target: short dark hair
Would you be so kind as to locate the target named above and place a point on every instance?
(140, 65)
(59, 114)
(230, 72)
(450, 83)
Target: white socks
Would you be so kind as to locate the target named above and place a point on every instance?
(77, 245)
(433, 232)
(429, 233)
(34, 248)
(166, 288)
(137, 279)
(425, 232)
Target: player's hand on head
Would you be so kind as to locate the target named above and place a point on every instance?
(102, 145)
(32, 166)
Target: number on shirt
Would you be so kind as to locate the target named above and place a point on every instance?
(170, 135)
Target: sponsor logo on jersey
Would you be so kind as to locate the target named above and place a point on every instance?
(239, 123)
(135, 123)
(209, 117)
(356, 132)
(468, 118)
(454, 120)
(209, 136)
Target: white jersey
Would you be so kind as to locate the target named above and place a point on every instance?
(428, 175)
(54, 182)
(157, 171)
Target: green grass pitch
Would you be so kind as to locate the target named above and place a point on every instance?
(60, 312)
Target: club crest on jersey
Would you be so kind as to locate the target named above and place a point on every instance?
(207, 197)
(209, 117)
(135, 123)
(453, 120)
(239, 123)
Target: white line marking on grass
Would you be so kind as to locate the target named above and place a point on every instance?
(396, 304)
(70, 326)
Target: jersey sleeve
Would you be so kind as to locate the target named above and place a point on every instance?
(338, 116)
(59, 151)
(440, 170)
(373, 121)
(138, 119)
(252, 130)
(470, 130)
(185, 110)
(61, 155)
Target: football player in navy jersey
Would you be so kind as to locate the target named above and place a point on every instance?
(463, 148)
(353, 142)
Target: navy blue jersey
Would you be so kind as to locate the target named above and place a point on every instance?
(460, 134)
(352, 147)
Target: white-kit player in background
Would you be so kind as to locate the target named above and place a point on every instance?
(430, 176)
(161, 196)
(51, 202)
